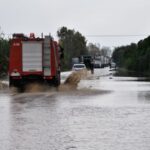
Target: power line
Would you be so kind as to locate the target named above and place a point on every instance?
(118, 35)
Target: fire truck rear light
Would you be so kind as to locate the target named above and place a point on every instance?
(15, 74)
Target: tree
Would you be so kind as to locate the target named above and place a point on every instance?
(93, 49)
(74, 44)
(134, 57)
(4, 53)
(106, 51)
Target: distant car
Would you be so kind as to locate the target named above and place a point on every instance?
(113, 65)
(97, 64)
(78, 67)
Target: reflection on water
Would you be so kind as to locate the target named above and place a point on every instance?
(4, 121)
(81, 120)
(144, 97)
(124, 90)
(124, 72)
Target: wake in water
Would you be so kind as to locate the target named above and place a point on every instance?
(3, 86)
(70, 84)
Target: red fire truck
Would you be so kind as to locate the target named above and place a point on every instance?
(34, 59)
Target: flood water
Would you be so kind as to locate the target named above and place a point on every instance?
(105, 113)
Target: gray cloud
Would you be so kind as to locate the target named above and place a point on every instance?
(90, 17)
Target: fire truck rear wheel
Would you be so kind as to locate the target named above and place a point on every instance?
(16, 84)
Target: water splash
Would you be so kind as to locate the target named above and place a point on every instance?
(72, 80)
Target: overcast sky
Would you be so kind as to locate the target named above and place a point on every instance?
(89, 17)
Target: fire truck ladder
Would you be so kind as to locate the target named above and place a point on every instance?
(46, 56)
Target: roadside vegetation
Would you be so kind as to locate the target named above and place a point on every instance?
(73, 43)
(134, 58)
(4, 52)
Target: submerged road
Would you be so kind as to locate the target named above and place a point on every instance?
(105, 113)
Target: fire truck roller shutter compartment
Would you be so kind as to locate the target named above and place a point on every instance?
(46, 56)
(32, 56)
